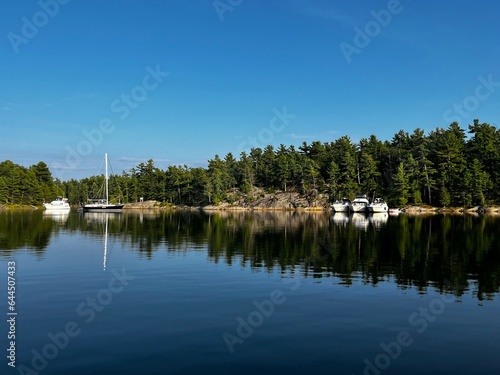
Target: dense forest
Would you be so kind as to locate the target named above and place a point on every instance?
(447, 167)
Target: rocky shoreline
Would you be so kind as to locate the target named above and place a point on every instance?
(493, 210)
(299, 203)
(18, 207)
(280, 201)
(259, 201)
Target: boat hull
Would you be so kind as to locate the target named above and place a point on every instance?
(103, 208)
(360, 204)
(340, 207)
(358, 208)
(48, 207)
(378, 208)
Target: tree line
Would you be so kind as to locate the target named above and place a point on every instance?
(446, 167)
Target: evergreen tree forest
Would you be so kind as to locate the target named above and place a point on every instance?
(447, 167)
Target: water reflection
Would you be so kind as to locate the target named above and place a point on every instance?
(58, 217)
(361, 221)
(99, 221)
(417, 252)
(378, 219)
(341, 218)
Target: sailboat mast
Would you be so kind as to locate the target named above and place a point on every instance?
(106, 162)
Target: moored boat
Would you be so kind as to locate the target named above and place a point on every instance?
(394, 211)
(102, 204)
(342, 205)
(378, 206)
(59, 204)
(360, 203)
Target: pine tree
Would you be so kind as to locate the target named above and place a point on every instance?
(282, 172)
(401, 184)
(216, 173)
(246, 173)
(4, 191)
(332, 181)
(480, 183)
(368, 174)
(344, 155)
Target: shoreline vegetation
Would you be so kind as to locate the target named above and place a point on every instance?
(277, 202)
(445, 170)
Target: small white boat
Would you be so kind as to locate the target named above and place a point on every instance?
(342, 205)
(360, 203)
(59, 204)
(394, 211)
(378, 206)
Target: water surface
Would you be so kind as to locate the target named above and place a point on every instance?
(190, 293)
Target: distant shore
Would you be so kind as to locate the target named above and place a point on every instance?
(277, 205)
(411, 210)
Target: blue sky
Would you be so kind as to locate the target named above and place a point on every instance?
(232, 74)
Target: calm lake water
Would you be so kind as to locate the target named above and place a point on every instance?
(248, 293)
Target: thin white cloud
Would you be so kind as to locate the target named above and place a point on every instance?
(65, 167)
(331, 15)
(79, 96)
(302, 136)
(140, 160)
(8, 106)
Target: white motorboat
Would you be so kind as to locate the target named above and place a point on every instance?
(59, 204)
(102, 204)
(378, 206)
(360, 203)
(342, 205)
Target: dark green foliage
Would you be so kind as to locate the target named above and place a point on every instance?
(443, 168)
(21, 185)
(401, 185)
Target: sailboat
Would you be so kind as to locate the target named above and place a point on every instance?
(102, 204)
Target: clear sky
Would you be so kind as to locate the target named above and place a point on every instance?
(179, 81)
